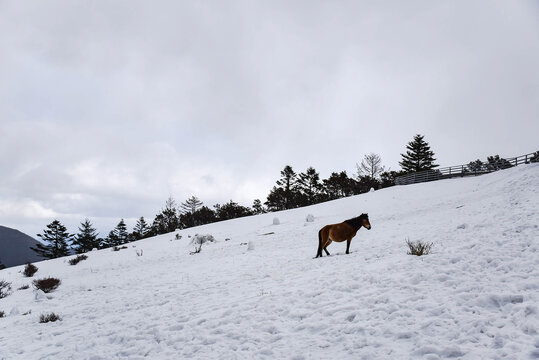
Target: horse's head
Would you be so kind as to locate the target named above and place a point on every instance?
(365, 221)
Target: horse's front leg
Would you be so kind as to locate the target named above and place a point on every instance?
(348, 241)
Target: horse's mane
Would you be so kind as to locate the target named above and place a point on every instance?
(356, 222)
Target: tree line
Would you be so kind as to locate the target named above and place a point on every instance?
(291, 190)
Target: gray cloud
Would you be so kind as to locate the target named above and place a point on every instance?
(107, 108)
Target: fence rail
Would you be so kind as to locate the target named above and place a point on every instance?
(471, 169)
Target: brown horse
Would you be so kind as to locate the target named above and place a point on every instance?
(341, 232)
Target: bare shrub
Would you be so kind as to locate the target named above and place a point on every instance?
(2, 314)
(418, 248)
(202, 239)
(47, 284)
(5, 288)
(78, 259)
(118, 248)
(52, 317)
(24, 287)
(30, 269)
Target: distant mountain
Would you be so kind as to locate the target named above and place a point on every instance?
(15, 247)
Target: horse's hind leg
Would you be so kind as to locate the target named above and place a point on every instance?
(348, 245)
(326, 247)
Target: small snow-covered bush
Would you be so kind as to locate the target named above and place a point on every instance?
(197, 250)
(202, 239)
(418, 248)
(24, 287)
(29, 270)
(52, 317)
(2, 314)
(78, 259)
(47, 284)
(310, 218)
(5, 288)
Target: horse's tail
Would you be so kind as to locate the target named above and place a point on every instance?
(319, 253)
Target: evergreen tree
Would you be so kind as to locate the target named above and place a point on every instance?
(56, 240)
(309, 186)
(419, 157)
(231, 210)
(276, 199)
(2, 266)
(365, 183)
(118, 235)
(387, 178)
(497, 163)
(141, 229)
(288, 183)
(201, 216)
(204, 215)
(370, 166)
(191, 205)
(338, 185)
(258, 208)
(168, 220)
(86, 239)
(475, 166)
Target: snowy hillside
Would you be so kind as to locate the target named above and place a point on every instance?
(475, 297)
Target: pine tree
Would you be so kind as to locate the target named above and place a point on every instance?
(258, 208)
(288, 183)
(118, 235)
(338, 185)
(191, 205)
(56, 240)
(475, 166)
(141, 229)
(86, 239)
(231, 210)
(168, 220)
(370, 166)
(201, 216)
(497, 163)
(276, 199)
(309, 185)
(419, 157)
(387, 178)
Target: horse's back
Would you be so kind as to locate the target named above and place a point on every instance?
(338, 232)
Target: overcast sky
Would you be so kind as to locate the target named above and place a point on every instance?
(109, 107)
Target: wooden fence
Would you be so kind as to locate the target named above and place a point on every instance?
(471, 169)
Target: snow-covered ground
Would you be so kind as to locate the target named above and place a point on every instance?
(261, 295)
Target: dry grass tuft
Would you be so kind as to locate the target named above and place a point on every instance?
(418, 248)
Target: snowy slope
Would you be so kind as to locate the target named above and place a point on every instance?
(475, 297)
